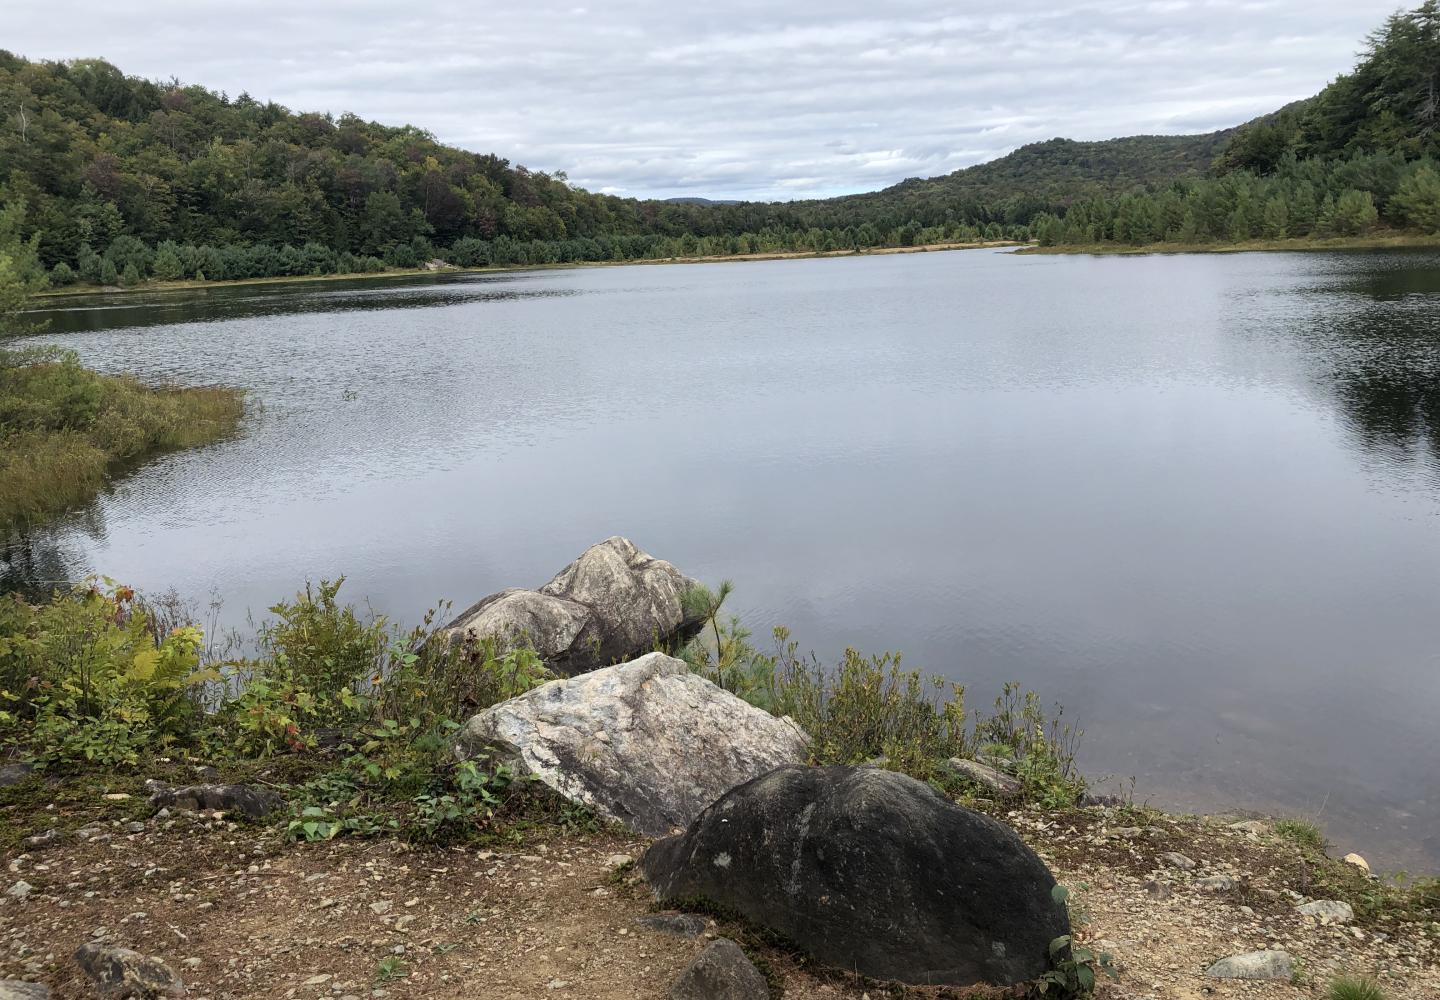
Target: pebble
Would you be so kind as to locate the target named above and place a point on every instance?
(20, 890)
(1177, 860)
(1358, 862)
(135, 827)
(616, 860)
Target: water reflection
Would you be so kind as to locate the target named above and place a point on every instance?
(79, 313)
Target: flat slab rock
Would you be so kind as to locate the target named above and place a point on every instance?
(870, 871)
(721, 972)
(14, 989)
(246, 800)
(1254, 965)
(646, 743)
(611, 604)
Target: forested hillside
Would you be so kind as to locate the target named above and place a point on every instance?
(125, 179)
(1358, 157)
(1043, 176)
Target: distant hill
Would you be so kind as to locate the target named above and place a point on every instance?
(119, 178)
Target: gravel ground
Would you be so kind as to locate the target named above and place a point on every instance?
(238, 913)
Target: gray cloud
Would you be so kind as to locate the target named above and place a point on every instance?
(741, 98)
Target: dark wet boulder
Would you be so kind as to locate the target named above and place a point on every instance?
(646, 743)
(871, 871)
(245, 800)
(613, 603)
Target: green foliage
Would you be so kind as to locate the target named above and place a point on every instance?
(1352, 988)
(1302, 832)
(92, 677)
(1073, 970)
(1417, 202)
(390, 969)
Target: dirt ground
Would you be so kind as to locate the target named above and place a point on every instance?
(238, 913)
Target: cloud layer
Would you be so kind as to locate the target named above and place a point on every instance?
(740, 99)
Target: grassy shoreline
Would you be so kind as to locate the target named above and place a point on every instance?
(1389, 241)
(66, 431)
(72, 291)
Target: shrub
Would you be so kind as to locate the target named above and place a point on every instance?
(870, 708)
(89, 677)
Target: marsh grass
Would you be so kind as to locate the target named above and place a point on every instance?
(1351, 988)
(64, 430)
(1301, 831)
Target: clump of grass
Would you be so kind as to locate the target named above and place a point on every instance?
(1352, 988)
(65, 428)
(1302, 832)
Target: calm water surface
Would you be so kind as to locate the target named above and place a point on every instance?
(1195, 499)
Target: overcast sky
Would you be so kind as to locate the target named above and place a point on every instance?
(732, 99)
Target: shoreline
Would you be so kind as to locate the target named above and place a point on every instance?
(1398, 241)
(108, 291)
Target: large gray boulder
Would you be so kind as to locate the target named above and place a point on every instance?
(646, 743)
(613, 603)
(870, 871)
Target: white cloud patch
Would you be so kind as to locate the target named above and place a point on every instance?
(738, 99)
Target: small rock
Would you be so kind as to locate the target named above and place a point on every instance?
(20, 890)
(135, 827)
(1158, 890)
(13, 774)
(1254, 826)
(319, 980)
(120, 972)
(1254, 965)
(686, 925)
(380, 906)
(983, 774)
(117, 796)
(1215, 883)
(720, 972)
(1358, 862)
(616, 860)
(556, 984)
(1125, 832)
(1328, 911)
(191, 963)
(45, 839)
(14, 989)
(1177, 860)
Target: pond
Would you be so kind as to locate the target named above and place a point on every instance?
(1195, 499)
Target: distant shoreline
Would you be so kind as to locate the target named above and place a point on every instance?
(1392, 241)
(73, 291)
